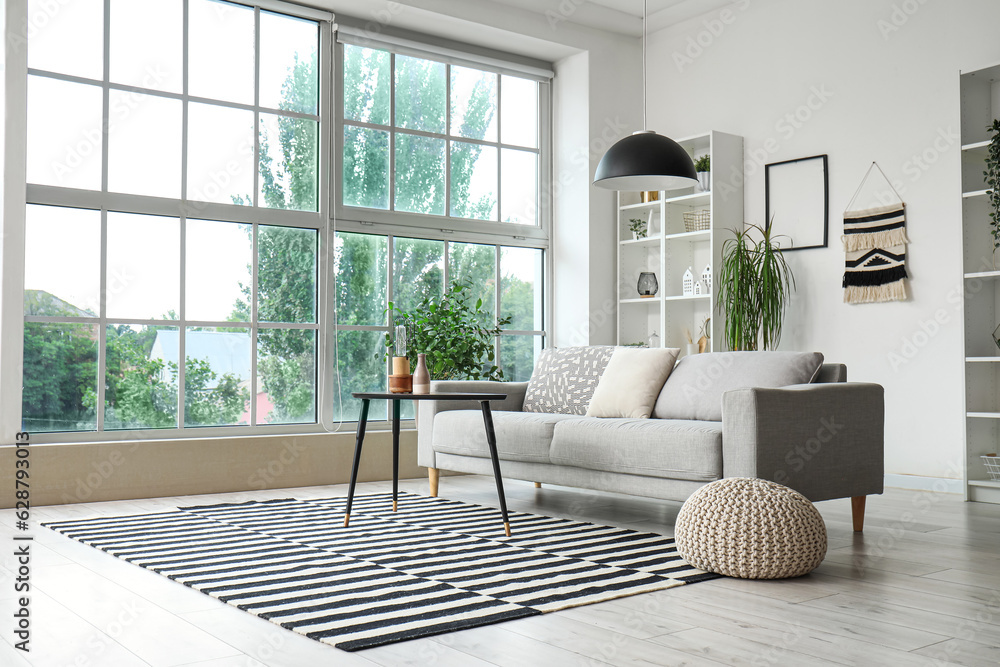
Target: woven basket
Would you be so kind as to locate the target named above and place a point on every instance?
(992, 463)
(751, 529)
(697, 221)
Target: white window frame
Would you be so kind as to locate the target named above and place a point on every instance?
(183, 209)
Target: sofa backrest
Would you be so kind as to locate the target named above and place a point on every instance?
(694, 390)
(832, 373)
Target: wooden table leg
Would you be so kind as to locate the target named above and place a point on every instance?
(491, 441)
(395, 452)
(362, 421)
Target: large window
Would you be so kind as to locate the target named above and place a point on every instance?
(184, 166)
(173, 221)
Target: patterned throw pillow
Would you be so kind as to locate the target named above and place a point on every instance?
(565, 378)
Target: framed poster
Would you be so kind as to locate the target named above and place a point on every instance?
(797, 202)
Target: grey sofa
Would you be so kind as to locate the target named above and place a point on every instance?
(823, 439)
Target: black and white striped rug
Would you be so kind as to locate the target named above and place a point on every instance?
(434, 566)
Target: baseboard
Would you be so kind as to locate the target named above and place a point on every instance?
(918, 483)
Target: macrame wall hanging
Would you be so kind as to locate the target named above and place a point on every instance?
(875, 248)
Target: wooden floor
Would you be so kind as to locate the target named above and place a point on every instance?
(921, 586)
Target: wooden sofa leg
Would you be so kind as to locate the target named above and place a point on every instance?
(858, 512)
(538, 485)
(433, 474)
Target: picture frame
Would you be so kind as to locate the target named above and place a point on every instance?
(797, 202)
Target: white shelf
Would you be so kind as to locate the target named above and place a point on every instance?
(983, 415)
(649, 241)
(976, 146)
(988, 483)
(685, 297)
(647, 300)
(688, 199)
(974, 193)
(632, 207)
(982, 360)
(703, 234)
(983, 274)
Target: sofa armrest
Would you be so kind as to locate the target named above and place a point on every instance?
(823, 440)
(426, 410)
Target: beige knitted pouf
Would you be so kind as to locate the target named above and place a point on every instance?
(752, 529)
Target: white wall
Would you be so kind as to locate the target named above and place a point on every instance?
(860, 80)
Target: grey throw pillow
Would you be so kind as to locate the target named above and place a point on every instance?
(565, 378)
(694, 390)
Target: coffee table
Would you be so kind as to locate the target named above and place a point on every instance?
(491, 439)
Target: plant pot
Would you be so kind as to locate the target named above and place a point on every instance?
(704, 181)
(692, 348)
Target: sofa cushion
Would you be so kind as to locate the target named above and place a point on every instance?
(565, 378)
(521, 436)
(671, 449)
(694, 390)
(631, 382)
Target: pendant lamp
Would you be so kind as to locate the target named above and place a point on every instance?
(645, 160)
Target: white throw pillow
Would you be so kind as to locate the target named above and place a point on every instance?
(631, 382)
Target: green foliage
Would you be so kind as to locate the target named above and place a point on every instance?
(992, 175)
(704, 163)
(755, 285)
(455, 333)
(638, 227)
(60, 362)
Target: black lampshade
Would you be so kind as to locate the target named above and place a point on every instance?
(645, 161)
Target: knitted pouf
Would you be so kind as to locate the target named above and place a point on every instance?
(752, 529)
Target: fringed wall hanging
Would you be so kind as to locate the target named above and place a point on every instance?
(875, 247)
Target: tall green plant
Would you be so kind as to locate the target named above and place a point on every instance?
(992, 175)
(456, 333)
(755, 285)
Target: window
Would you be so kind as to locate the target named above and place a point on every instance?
(174, 218)
(367, 280)
(426, 137)
(430, 139)
(179, 173)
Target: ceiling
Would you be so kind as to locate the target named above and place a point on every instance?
(621, 16)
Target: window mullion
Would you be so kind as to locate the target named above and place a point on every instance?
(447, 142)
(392, 132)
(499, 149)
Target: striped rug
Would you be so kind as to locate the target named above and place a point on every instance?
(434, 566)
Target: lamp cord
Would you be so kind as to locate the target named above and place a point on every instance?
(644, 126)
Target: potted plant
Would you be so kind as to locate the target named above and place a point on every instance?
(992, 175)
(638, 227)
(755, 285)
(453, 331)
(703, 166)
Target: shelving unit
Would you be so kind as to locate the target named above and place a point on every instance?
(980, 98)
(670, 249)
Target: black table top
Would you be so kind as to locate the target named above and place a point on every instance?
(434, 396)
